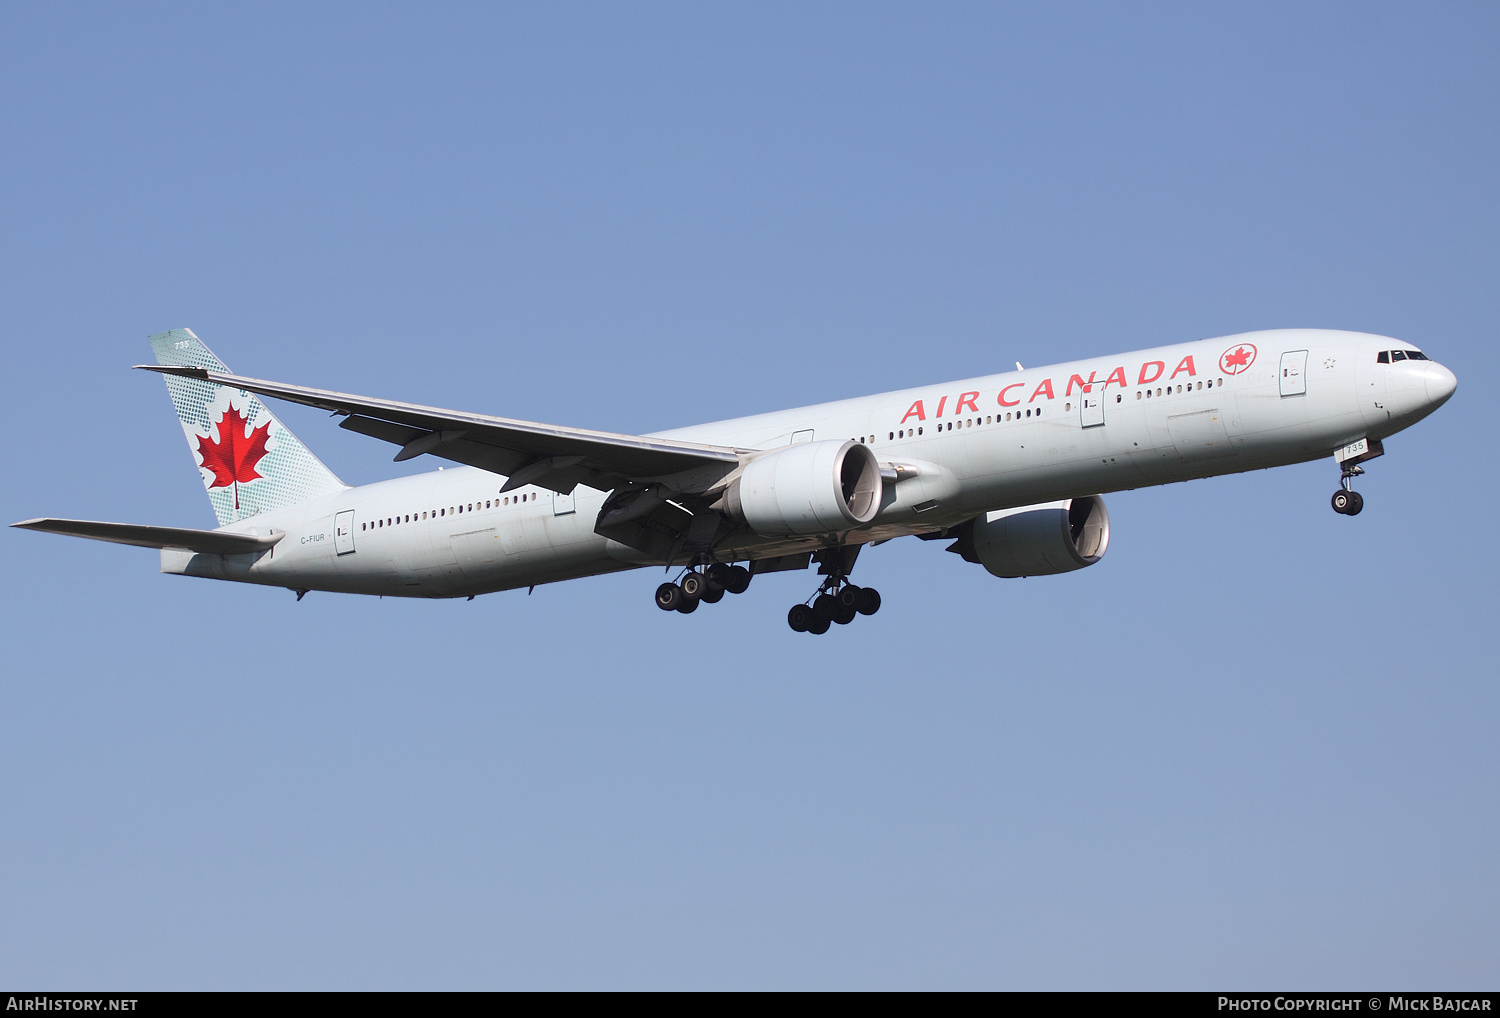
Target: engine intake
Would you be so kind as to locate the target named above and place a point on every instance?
(1056, 537)
(808, 488)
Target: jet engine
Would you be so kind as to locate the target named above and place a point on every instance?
(807, 488)
(1056, 537)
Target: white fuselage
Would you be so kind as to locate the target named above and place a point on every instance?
(1019, 438)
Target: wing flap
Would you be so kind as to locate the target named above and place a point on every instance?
(212, 542)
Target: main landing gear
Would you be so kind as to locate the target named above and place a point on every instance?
(706, 586)
(838, 601)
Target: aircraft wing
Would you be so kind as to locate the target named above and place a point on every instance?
(525, 452)
(212, 542)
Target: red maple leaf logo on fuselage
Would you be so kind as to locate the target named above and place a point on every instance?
(233, 457)
(1236, 360)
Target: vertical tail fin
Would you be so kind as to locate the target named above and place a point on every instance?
(249, 461)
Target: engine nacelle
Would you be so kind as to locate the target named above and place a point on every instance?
(807, 488)
(1056, 537)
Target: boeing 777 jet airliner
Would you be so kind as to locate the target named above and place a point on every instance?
(1009, 468)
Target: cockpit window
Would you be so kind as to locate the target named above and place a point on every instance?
(1398, 355)
(1415, 355)
(1383, 357)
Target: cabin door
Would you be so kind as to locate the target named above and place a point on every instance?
(562, 505)
(343, 532)
(1294, 373)
(1091, 407)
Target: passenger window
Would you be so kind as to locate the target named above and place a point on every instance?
(1398, 355)
(1119, 398)
(919, 431)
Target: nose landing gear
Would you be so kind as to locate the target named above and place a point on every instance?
(1347, 501)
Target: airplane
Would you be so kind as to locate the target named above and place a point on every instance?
(1009, 468)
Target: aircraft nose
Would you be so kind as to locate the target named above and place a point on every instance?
(1441, 383)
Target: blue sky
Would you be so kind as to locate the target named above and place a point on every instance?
(1253, 747)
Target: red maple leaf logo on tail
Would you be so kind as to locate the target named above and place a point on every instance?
(233, 457)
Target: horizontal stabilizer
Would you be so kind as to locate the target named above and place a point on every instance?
(212, 542)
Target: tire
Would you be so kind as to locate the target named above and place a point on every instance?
(825, 606)
(848, 596)
(869, 601)
(712, 593)
(845, 616)
(668, 597)
(716, 574)
(693, 585)
(737, 579)
(1341, 501)
(1356, 503)
(799, 618)
(688, 605)
(817, 626)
